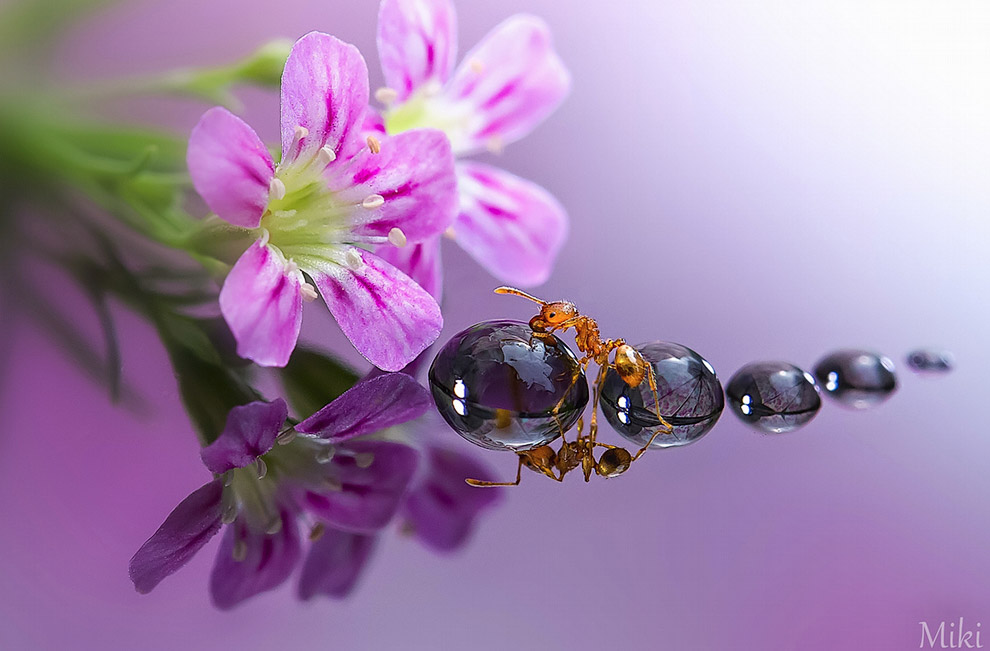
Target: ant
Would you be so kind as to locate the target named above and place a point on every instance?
(628, 363)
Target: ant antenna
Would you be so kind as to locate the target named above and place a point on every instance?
(518, 292)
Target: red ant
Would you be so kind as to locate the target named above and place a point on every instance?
(628, 363)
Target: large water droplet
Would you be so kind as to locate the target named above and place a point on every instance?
(502, 387)
(774, 397)
(856, 378)
(930, 360)
(689, 393)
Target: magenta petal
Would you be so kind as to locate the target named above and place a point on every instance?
(419, 261)
(186, 529)
(269, 561)
(369, 496)
(417, 43)
(325, 91)
(369, 406)
(335, 563)
(230, 167)
(250, 432)
(414, 174)
(386, 315)
(509, 83)
(443, 508)
(511, 226)
(262, 304)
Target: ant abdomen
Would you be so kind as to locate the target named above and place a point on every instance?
(613, 462)
(630, 365)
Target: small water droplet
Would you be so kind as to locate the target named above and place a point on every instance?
(689, 392)
(502, 387)
(857, 378)
(930, 360)
(774, 397)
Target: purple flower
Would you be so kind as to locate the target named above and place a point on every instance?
(267, 478)
(440, 510)
(333, 196)
(509, 83)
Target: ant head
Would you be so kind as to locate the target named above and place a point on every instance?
(613, 462)
(551, 314)
(630, 365)
(540, 460)
(557, 312)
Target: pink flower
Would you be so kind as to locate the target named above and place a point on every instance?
(334, 196)
(509, 83)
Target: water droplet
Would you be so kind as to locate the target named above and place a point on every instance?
(930, 360)
(504, 388)
(856, 378)
(774, 397)
(689, 392)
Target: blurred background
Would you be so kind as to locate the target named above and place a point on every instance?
(760, 180)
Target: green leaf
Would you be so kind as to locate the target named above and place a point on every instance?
(312, 379)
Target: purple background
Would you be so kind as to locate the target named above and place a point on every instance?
(767, 182)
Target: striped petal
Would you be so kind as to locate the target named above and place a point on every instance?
(230, 167)
(511, 226)
(386, 315)
(417, 43)
(324, 91)
(262, 303)
(509, 83)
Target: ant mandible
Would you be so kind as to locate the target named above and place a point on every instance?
(628, 363)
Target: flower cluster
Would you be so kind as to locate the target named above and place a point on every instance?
(329, 471)
(352, 211)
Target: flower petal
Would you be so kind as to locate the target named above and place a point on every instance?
(509, 83)
(369, 406)
(417, 43)
(269, 561)
(262, 304)
(386, 315)
(370, 494)
(249, 433)
(419, 261)
(334, 563)
(230, 167)
(413, 173)
(186, 529)
(511, 226)
(325, 91)
(443, 509)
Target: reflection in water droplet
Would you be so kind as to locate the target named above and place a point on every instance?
(504, 388)
(774, 397)
(690, 397)
(931, 360)
(857, 378)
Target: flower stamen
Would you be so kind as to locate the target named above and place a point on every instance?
(373, 201)
(326, 155)
(386, 96)
(397, 238)
(317, 531)
(353, 260)
(374, 145)
(240, 551)
(276, 190)
(326, 454)
(309, 295)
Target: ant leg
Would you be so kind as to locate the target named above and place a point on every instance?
(651, 375)
(479, 483)
(593, 428)
(648, 444)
